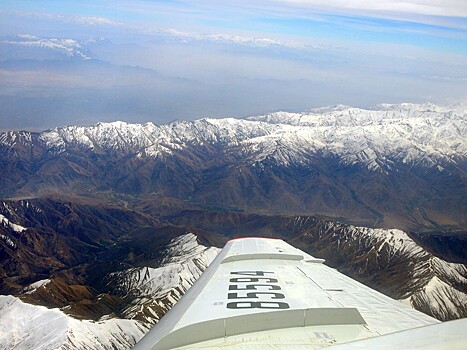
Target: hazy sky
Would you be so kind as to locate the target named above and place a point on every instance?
(79, 62)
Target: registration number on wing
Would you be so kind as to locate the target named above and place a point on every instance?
(255, 290)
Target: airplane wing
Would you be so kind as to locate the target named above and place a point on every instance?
(265, 294)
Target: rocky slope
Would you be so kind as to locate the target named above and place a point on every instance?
(40, 237)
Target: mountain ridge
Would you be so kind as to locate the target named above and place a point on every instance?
(409, 120)
(402, 166)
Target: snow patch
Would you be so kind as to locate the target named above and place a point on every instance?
(36, 285)
(25, 326)
(8, 241)
(7, 223)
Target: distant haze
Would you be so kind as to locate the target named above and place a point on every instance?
(78, 63)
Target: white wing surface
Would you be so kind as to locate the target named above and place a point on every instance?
(265, 294)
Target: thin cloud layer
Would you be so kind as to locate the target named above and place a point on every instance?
(449, 8)
(230, 39)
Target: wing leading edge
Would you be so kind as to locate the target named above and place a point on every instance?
(265, 294)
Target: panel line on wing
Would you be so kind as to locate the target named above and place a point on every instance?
(255, 256)
(325, 290)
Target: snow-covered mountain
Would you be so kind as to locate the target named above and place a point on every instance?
(426, 134)
(149, 293)
(394, 263)
(407, 133)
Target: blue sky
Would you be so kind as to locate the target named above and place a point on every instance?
(65, 62)
(272, 18)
